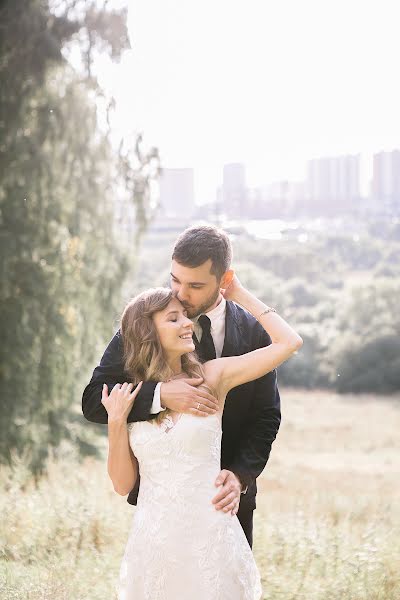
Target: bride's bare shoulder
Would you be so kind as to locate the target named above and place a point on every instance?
(212, 369)
(212, 374)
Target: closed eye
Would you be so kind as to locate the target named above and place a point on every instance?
(195, 286)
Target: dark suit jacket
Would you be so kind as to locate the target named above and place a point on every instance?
(251, 416)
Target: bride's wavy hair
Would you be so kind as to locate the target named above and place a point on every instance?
(143, 355)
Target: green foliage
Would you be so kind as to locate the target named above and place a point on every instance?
(347, 315)
(330, 291)
(367, 357)
(64, 259)
(283, 260)
(300, 370)
(370, 367)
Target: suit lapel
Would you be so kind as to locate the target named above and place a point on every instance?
(232, 342)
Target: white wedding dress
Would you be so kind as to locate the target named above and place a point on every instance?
(180, 547)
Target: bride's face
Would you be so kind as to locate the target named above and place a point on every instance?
(174, 329)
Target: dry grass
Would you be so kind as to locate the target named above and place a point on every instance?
(327, 514)
(326, 526)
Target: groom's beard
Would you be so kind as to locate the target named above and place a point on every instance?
(195, 311)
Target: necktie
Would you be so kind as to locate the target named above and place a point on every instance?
(206, 348)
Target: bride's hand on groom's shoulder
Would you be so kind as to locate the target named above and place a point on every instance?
(233, 289)
(119, 402)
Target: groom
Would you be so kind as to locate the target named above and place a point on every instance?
(251, 418)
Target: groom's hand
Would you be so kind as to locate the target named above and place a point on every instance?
(228, 497)
(184, 395)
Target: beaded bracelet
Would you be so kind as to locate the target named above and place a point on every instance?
(266, 311)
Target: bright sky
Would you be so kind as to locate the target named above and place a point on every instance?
(267, 83)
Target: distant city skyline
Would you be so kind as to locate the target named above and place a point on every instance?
(330, 188)
(270, 85)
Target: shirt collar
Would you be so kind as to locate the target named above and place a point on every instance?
(216, 312)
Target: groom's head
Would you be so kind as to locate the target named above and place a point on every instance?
(201, 261)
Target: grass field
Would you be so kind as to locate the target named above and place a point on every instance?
(327, 525)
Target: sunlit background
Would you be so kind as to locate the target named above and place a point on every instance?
(269, 85)
(121, 123)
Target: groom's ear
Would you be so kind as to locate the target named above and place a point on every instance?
(227, 279)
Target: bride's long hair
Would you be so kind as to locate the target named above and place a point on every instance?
(143, 355)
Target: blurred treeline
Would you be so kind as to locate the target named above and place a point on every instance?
(64, 261)
(341, 292)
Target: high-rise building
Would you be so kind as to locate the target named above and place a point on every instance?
(177, 193)
(386, 181)
(234, 190)
(334, 184)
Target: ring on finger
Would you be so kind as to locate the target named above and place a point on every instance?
(198, 406)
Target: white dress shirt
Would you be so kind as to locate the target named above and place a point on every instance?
(217, 318)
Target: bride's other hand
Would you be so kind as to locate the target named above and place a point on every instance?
(119, 403)
(233, 287)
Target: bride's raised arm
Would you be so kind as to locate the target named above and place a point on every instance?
(233, 371)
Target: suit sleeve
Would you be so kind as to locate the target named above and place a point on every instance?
(111, 371)
(255, 445)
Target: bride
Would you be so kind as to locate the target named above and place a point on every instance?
(179, 546)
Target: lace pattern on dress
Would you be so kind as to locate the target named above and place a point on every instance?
(179, 546)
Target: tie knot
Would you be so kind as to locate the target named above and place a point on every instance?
(205, 323)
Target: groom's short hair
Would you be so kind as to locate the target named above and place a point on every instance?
(197, 244)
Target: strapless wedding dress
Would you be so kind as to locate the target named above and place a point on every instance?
(180, 547)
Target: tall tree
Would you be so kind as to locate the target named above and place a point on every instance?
(63, 260)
